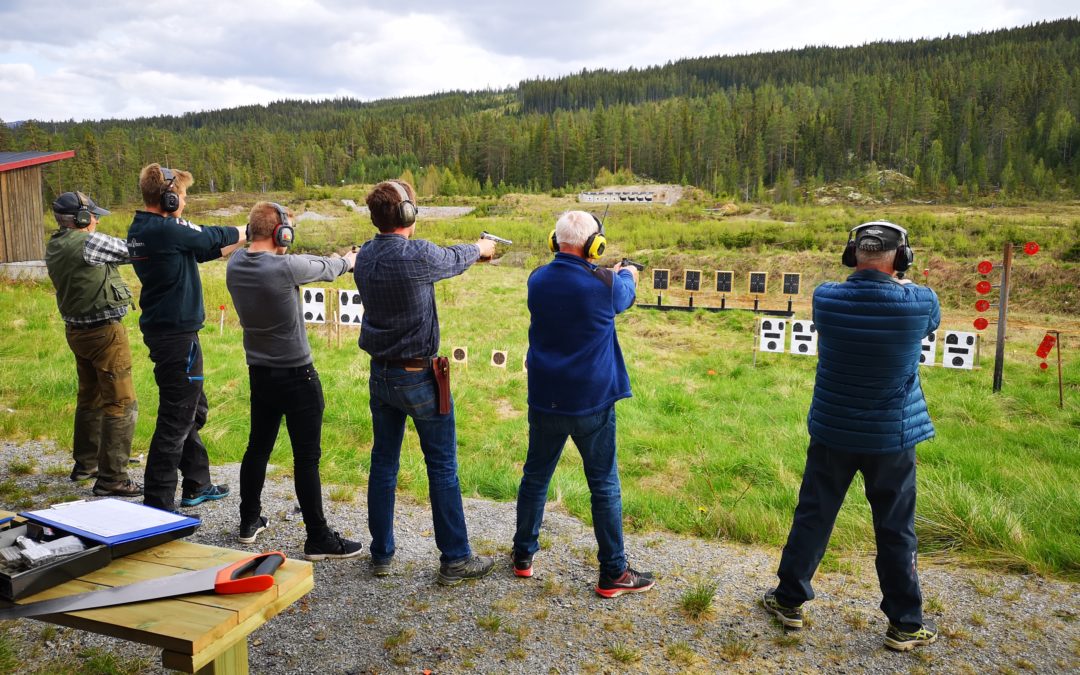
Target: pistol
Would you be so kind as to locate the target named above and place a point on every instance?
(497, 240)
(627, 262)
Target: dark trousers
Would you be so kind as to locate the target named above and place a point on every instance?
(295, 394)
(182, 409)
(890, 489)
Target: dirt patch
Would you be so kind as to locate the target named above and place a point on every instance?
(226, 211)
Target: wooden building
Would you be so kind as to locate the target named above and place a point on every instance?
(22, 229)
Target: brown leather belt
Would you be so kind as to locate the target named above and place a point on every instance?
(403, 363)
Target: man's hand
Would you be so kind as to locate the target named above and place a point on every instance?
(243, 235)
(633, 270)
(486, 246)
(350, 258)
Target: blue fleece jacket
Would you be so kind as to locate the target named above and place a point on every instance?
(575, 364)
(165, 253)
(867, 397)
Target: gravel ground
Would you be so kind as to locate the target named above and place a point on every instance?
(554, 623)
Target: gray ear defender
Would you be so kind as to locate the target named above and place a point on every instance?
(406, 209)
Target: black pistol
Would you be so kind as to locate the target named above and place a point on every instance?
(627, 262)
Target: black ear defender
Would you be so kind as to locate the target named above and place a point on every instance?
(284, 234)
(83, 217)
(406, 209)
(905, 255)
(594, 246)
(170, 201)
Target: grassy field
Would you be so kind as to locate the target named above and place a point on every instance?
(710, 444)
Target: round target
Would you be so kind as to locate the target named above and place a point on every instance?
(345, 318)
(499, 358)
(459, 354)
(308, 316)
(957, 361)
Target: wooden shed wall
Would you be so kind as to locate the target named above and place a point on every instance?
(22, 232)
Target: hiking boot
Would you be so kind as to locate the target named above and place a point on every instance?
(250, 531)
(522, 564)
(791, 617)
(78, 474)
(331, 545)
(209, 493)
(473, 567)
(380, 567)
(123, 488)
(630, 581)
(902, 641)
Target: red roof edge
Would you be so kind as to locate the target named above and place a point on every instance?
(43, 159)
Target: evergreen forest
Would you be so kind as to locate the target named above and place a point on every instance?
(981, 116)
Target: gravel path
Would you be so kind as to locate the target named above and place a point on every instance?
(554, 623)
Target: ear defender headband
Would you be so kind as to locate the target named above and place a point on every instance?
(905, 256)
(594, 246)
(83, 217)
(406, 209)
(284, 234)
(169, 200)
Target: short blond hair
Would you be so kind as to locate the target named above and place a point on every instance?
(264, 217)
(152, 183)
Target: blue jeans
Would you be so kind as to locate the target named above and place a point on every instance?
(397, 393)
(594, 436)
(889, 479)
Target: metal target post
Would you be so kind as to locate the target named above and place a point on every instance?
(1003, 310)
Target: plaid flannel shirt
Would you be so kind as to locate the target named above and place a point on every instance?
(101, 249)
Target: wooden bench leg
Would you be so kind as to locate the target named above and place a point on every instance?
(232, 661)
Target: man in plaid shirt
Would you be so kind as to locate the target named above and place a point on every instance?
(93, 300)
(395, 275)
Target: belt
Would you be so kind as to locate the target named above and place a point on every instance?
(93, 324)
(403, 363)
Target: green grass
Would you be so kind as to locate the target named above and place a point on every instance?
(709, 445)
(697, 602)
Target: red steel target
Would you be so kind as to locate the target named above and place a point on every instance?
(986, 267)
(1043, 365)
(983, 287)
(982, 305)
(981, 323)
(1045, 346)
(1031, 248)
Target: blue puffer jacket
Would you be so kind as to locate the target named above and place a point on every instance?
(867, 397)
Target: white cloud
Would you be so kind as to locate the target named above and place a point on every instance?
(130, 58)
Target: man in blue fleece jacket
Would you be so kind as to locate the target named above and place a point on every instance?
(867, 414)
(576, 373)
(166, 251)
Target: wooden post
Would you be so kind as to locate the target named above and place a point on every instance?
(1061, 387)
(1003, 310)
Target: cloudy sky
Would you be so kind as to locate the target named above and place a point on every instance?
(91, 59)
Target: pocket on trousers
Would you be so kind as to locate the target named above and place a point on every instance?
(418, 400)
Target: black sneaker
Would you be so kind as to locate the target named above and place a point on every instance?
(791, 617)
(209, 493)
(902, 641)
(250, 531)
(522, 564)
(630, 581)
(473, 567)
(380, 567)
(78, 474)
(124, 488)
(331, 545)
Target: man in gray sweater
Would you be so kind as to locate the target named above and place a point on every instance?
(264, 283)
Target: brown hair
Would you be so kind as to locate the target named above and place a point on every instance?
(382, 203)
(152, 183)
(264, 218)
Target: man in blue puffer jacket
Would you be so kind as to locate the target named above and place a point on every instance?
(867, 414)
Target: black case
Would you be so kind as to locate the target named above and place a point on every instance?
(28, 582)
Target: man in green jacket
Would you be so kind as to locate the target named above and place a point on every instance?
(93, 300)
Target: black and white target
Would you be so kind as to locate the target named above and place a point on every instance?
(314, 305)
(772, 334)
(350, 309)
(959, 350)
(803, 337)
(928, 357)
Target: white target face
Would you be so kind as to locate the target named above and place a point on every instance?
(350, 309)
(498, 358)
(929, 350)
(803, 337)
(958, 350)
(772, 334)
(314, 305)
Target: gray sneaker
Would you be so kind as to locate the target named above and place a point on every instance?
(791, 617)
(380, 567)
(474, 567)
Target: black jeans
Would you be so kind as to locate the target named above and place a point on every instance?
(296, 394)
(182, 409)
(890, 489)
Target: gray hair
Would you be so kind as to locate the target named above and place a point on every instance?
(879, 257)
(575, 227)
(64, 219)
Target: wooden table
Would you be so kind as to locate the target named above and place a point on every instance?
(202, 633)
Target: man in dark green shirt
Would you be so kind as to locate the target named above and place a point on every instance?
(165, 250)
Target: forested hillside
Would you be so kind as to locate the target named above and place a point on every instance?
(965, 117)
